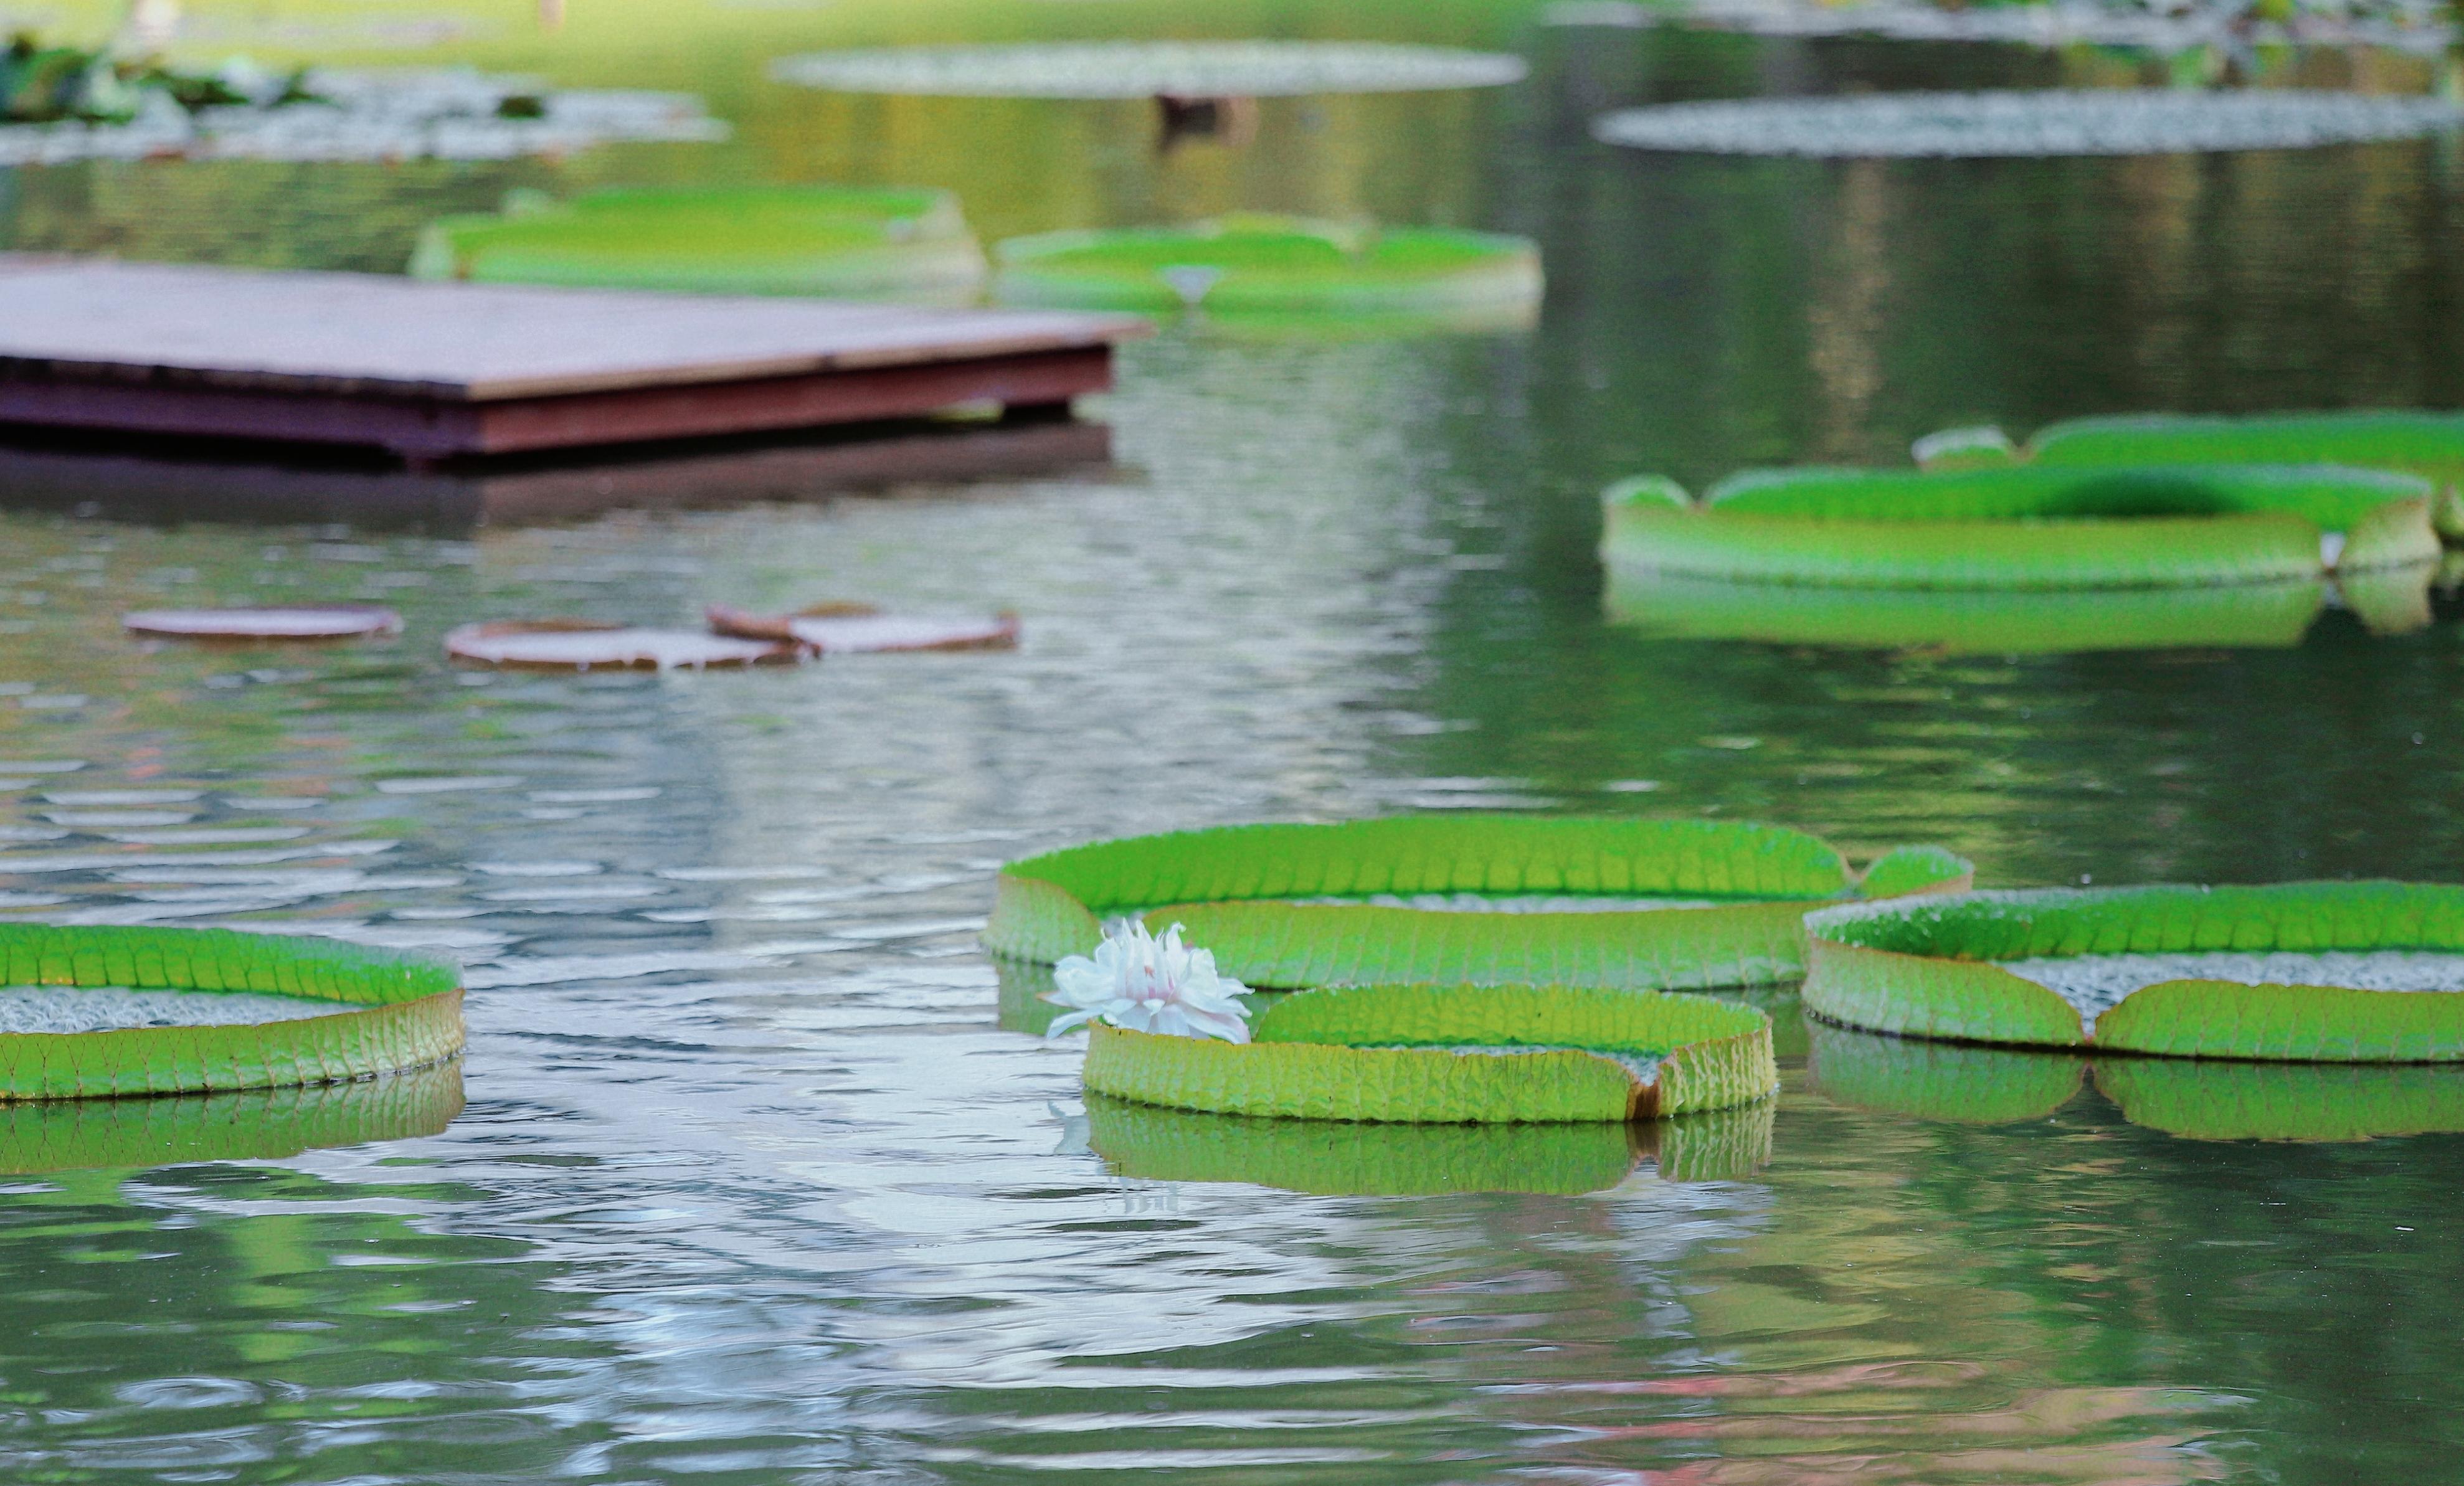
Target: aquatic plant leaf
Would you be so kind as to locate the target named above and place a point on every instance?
(1151, 68)
(583, 644)
(841, 241)
(1968, 621)
(1447, 1054)
(1258, 264)
(2414, 442)
(393, 1010)
(1926, 967)
(1053, 905)
(273, 622)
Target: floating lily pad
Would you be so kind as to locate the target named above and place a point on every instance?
(275, 621)
(2037, 121)
(582, 645)
(1148, 1143)
(2024, 528)
(2363, 971)
(266, 1011)
(855, 629)
(1263, 264)
(1454, 1054)
(1236, 888)
(442, 114)
(2426, 443)
(246, 1125)
(844, 241)
(1153, 69)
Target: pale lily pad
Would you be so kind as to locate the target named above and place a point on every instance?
(2026, 122)
(275, 621)
(1153, 69)
(855, 629)
(581, 645)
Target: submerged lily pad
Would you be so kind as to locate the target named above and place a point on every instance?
(846, 241)
(2300, 972)
(2024, 528)
(107, 1011)
(1493, 1054)
(1257, 263)
(1153, 69)
(1148, 1143)
(2024, 122)
(243, 1125)
(1237, 889)
(273, 622)
(583, 644)
(856, 629)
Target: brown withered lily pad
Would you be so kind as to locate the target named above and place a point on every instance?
(857, 628)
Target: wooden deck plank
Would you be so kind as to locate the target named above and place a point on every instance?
(436, 371)
(368, 333)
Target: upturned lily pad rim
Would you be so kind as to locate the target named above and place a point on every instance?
(1929, 970)
(1053, 904)
(1418, 1055)
(396, 1010)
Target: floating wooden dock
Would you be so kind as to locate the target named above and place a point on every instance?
(436, 371)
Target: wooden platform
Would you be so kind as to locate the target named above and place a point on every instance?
(435, 371)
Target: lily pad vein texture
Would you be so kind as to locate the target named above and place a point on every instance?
(2025, 527)
(1929, 970)
(1225, 885)
(2413, 442)
(1444, 1053)
(851, 241)
(1260, 262)
(393, 1010)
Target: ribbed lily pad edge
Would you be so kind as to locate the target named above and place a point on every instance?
(1925, 968)
(405, 1012)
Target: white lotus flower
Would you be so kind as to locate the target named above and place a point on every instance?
(1147, 984)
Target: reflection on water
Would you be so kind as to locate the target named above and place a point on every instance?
(756, 1183)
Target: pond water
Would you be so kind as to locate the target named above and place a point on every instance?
(753, 1186)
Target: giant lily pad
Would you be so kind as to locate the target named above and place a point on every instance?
(1264, 263)
(1452, 1053)
(2029, 121)
(2024, 528)
(1153, 69)
(275, 621)
(845, 241)
(860, 629)
(353, 1012)
(1150, 1143)
(1637, 905)
(2426, 443)
(2347, 971)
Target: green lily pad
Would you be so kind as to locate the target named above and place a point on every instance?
(2026, 527)
(2426, 443)
(390, 1011)
(2345, 971)
(1445, 1054)
(838, 241)
(243, 1125)
(1263, 265)
(1148, 1143)
(1688, 904)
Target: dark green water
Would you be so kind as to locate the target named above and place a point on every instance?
(752, 1186)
